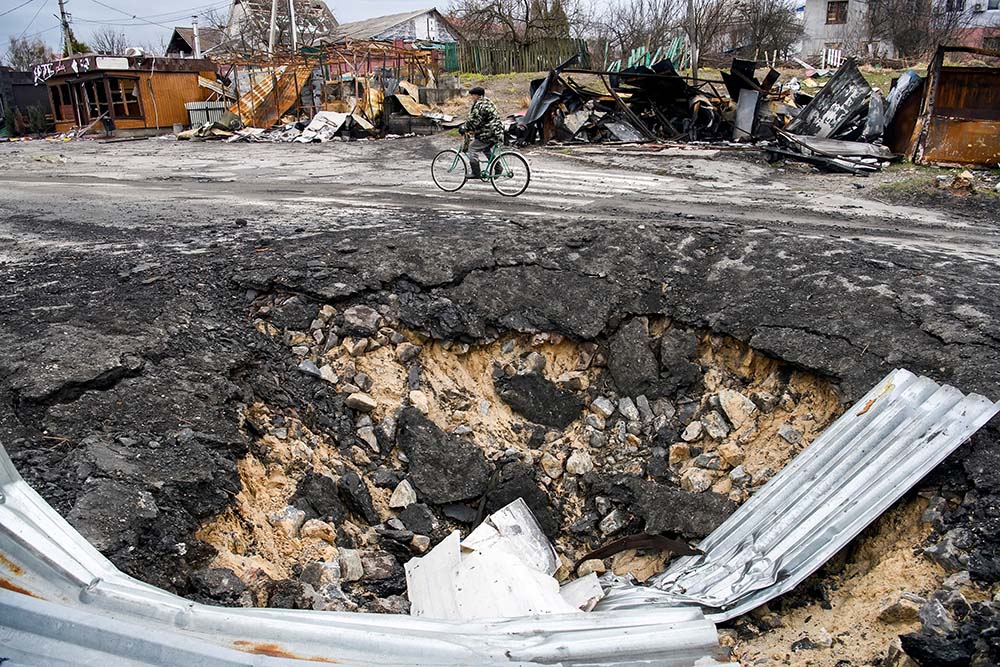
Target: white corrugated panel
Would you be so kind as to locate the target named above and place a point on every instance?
(63, 603)
(854, 471)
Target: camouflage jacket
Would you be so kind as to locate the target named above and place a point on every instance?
(484, 122)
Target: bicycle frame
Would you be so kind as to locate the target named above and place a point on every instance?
(495, 152)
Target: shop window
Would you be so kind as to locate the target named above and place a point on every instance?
(62, 102)
(125, 97)
(836, 11)
(97, 98)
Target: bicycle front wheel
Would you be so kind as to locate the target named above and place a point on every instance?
(509, 173)
(449, 170)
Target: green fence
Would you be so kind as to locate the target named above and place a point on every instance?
(676, 51)
(451, 63)
(491, 57)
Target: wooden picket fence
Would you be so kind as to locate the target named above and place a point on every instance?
(497, 57)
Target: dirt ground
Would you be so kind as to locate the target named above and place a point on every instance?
(161, 298)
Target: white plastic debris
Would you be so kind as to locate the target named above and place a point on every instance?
(503, 569)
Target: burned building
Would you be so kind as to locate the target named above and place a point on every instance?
(138, 94)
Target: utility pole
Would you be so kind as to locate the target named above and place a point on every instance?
(274, 27)
(295, 36)
(693, 39)
(67, 36)
(197, 40)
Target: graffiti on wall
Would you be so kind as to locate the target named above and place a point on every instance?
(46, 71)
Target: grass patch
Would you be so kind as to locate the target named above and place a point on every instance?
(910, 186)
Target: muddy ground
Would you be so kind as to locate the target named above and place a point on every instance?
(221, 361)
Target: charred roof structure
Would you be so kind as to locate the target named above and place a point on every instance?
(248, 28)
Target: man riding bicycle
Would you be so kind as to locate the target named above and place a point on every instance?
(486, 128)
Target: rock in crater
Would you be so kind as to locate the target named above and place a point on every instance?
(632, 362)
(443, 468)
(537, 399)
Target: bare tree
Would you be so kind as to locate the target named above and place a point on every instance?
(765, 25)
(108, 41)
(214, 18)
(517, 21)
(916, 27)
(715, 23)
(631, 24)
(23, 54)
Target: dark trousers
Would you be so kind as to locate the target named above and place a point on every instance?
(476, 149)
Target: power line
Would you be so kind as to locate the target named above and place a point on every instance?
(165, 16)
(131, 16)
(42, 32)
(32, 21)
(17, 8)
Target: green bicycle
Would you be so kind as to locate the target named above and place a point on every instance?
(506, 169)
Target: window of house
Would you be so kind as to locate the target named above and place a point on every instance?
(991, 43)
(994, 4)
(124, 97)
(955, 5)
(836, 11)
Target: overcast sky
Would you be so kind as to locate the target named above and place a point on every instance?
(155, 20)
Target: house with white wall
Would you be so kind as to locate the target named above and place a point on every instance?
(425, 25)
(843, 24)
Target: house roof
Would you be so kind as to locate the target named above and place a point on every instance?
(371, 28)
(209, 37)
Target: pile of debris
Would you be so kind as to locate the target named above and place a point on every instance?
(847, 126)
(641, 103)
(357, 123)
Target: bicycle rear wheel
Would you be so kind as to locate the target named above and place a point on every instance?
(509, 173)
(449, 170)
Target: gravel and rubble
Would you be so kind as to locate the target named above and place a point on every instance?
(252, 415)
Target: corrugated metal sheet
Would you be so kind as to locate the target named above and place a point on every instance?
(205, 112)
(63, 603)
(854, 471)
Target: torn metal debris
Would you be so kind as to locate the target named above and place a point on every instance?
(503, 569)
(953, 119)
(959, 119)
(845, 479)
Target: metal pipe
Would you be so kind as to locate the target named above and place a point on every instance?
(273, 27)
(295, 35)
(197, 40)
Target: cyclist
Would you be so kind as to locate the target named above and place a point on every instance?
(486, 128)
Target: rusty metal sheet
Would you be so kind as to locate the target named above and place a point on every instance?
(902, 117)
(969, 93)
(961, 115)
(956, 141)
(412, 107)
